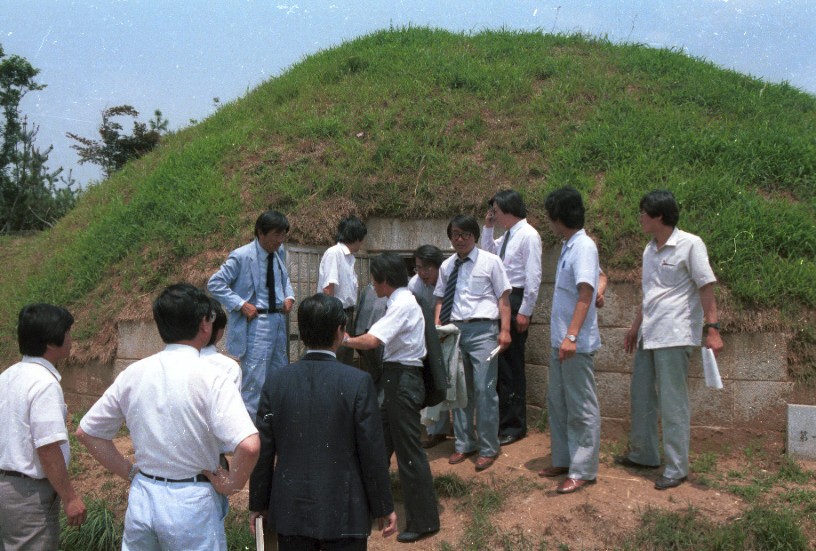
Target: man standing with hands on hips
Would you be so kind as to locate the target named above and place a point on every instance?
(678, 296)
(520, 250)
(253, 285)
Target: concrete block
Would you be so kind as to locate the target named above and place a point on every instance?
(390, 234)
(802, 431)
(549, 264)
(755, 357)
(538, 345)
(138, 339)
(613, 394)
(621, 302)
(761, 403)
(612, 356)
(536, 385)
(711, 407)
(543, 307)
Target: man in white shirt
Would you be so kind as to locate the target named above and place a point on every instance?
(253, 285)
(472, 293)
(336, 275)
(520, 250)
(181, 413)
(211, 353)
(402, 332)
(572, 401)
(34, 453)
(678, 295)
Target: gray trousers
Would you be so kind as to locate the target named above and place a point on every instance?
(660, 387)
(29, 514)
(574, 414)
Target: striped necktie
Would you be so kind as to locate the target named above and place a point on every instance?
(450, 292)
(270, 281)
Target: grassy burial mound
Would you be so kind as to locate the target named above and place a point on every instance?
(416, 123)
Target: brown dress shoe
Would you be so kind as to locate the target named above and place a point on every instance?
(485, 461)
(573, 484)
(433, 440)
(457, 457)
(550, 472)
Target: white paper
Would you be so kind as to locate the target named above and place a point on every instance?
(492, 354)
(710, 369)
(259, 535)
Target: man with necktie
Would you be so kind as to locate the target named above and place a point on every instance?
(253, 285)
(472, 293)
(520, 250)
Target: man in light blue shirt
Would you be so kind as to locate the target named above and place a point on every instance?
(572, 403)
(253, 285)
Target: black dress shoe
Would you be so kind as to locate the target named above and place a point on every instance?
(624, 461)
(411, 537)
(664, 482)
(510, 438)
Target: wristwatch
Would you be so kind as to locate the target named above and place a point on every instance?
(715, 325)
(571, 338)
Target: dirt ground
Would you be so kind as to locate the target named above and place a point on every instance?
(593, 518)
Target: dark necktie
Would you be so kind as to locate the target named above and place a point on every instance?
(504, 244)
(270, 280)
(450, 292)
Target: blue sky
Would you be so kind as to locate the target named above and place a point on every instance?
(178, 55)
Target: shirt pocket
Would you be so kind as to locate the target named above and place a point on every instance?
(673, 271)
(481, 285)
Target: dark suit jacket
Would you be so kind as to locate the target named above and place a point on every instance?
(323, 470)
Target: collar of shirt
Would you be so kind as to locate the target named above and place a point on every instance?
(39, 360)
(344, 248)
(670, 242)
(397, 292)
(514, 229)
(472, 255)
(569, 242)
(182, 349)
(326, 352)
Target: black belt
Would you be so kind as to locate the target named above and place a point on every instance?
(196, 478)
(269, 311)
(15, 473)
(401, 365)
(472, 320)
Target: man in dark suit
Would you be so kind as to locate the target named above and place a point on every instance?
(322, 475)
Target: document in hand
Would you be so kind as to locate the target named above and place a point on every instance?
(710, 369)
(259, 535)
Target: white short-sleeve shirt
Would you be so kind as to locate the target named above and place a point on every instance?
(418, 287)
(402, 329)
(577, 264)
(230, 366)
(522, 260)
(672, 277)
(181, 412)
(479, 286)
(337, 267)
(32, 415)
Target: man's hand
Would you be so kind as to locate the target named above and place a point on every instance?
(630, 340)
(252, 516)
(567, 350)
(75, 511)
(388, 524)
(504, 340)
(489, 218)
(522, 323)
(287, 305)
(714, 341)
(221, 481)
(599, 301)
(249, 311)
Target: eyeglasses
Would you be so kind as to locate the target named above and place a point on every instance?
(465, 235)
(424, 269)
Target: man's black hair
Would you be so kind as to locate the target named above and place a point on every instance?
(389, 268)
(220, 320)
(510, 202)
(178, 311)
(566, 205)
(466, 223)
(661, 202)
(39, 325)
(271, 220)
(318, 317)
(430, 254)
(350, 230)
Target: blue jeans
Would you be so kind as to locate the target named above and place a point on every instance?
(477, 341)
(660, 387)
(574, 414)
